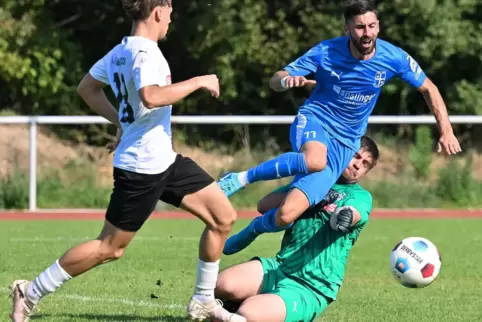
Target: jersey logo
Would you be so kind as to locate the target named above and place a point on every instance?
(353, 98)
(413, 63)
(119, 61)
(332, 206)
(380, 78)
(168, 80)
(333, 73)
(414, 67)
(277, 171)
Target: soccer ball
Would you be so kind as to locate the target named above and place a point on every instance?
(415, 262)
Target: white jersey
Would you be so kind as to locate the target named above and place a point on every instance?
(146, 145)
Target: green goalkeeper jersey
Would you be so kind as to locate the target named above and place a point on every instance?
(314, 254)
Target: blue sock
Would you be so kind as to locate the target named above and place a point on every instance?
(285, 165)
(266, 223)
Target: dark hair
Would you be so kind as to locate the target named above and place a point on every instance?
(370, 146)
(355, 8)
(141, 9)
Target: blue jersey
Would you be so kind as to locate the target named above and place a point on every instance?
(347, 88)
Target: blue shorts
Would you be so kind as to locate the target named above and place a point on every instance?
(316, 185)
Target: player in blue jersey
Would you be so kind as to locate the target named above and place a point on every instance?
(349, 72)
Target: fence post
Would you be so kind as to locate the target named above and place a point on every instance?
(32, 165)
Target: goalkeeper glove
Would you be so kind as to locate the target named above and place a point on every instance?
(342, 219)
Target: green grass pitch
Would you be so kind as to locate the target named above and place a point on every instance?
(166, 251)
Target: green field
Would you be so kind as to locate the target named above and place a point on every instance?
(166, 250)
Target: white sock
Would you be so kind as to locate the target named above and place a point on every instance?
(47, 282)
(243, 178)
(207, 276)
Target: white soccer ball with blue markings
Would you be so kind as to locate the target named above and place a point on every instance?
(415, 262)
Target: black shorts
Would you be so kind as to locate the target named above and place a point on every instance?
(135, 195)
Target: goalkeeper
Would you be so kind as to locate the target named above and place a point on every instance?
(304, 277)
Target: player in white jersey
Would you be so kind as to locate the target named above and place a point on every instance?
(146, 169)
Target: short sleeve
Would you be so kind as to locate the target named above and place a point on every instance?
(409, 70)
(99, 71)
(308, 63)
(146, 70)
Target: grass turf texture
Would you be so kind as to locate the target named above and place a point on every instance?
(166, 251)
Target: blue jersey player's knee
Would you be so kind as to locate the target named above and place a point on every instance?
(311, 145)
(315, 154)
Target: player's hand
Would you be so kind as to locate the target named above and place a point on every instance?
(449, 143)
(344, 219)
(210, 83)
(113, 145)
(297, 81)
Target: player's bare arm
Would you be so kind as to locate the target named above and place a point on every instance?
(432, 96)
(92, 92)
(356, 217)
(270, 201)
(157, 96)
(282, 80)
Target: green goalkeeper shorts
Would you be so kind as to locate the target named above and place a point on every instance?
(302, 304)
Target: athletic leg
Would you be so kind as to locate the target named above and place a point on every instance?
(195, 191)
(263, 308)
(308, 139)
(289, 301)
(313, 188)
(306, 191)
(239, 282)
(215, 210)
(294, 202)
(309, 190)
(246, 236)
(125, 215)
(272, 200)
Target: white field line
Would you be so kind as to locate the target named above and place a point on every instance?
(124, 301)
(97, 299)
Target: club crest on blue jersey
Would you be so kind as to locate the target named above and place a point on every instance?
(380, 78)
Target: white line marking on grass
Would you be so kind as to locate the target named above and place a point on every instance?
(97, 299)
(124, 301)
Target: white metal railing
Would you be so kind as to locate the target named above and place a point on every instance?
(236, 119)
(191, 119)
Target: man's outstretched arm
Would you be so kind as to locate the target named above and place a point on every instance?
(435, 102)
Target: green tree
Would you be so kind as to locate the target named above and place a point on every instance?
(39, 66)
(47, 46)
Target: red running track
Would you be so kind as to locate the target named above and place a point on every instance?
(99, 214)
